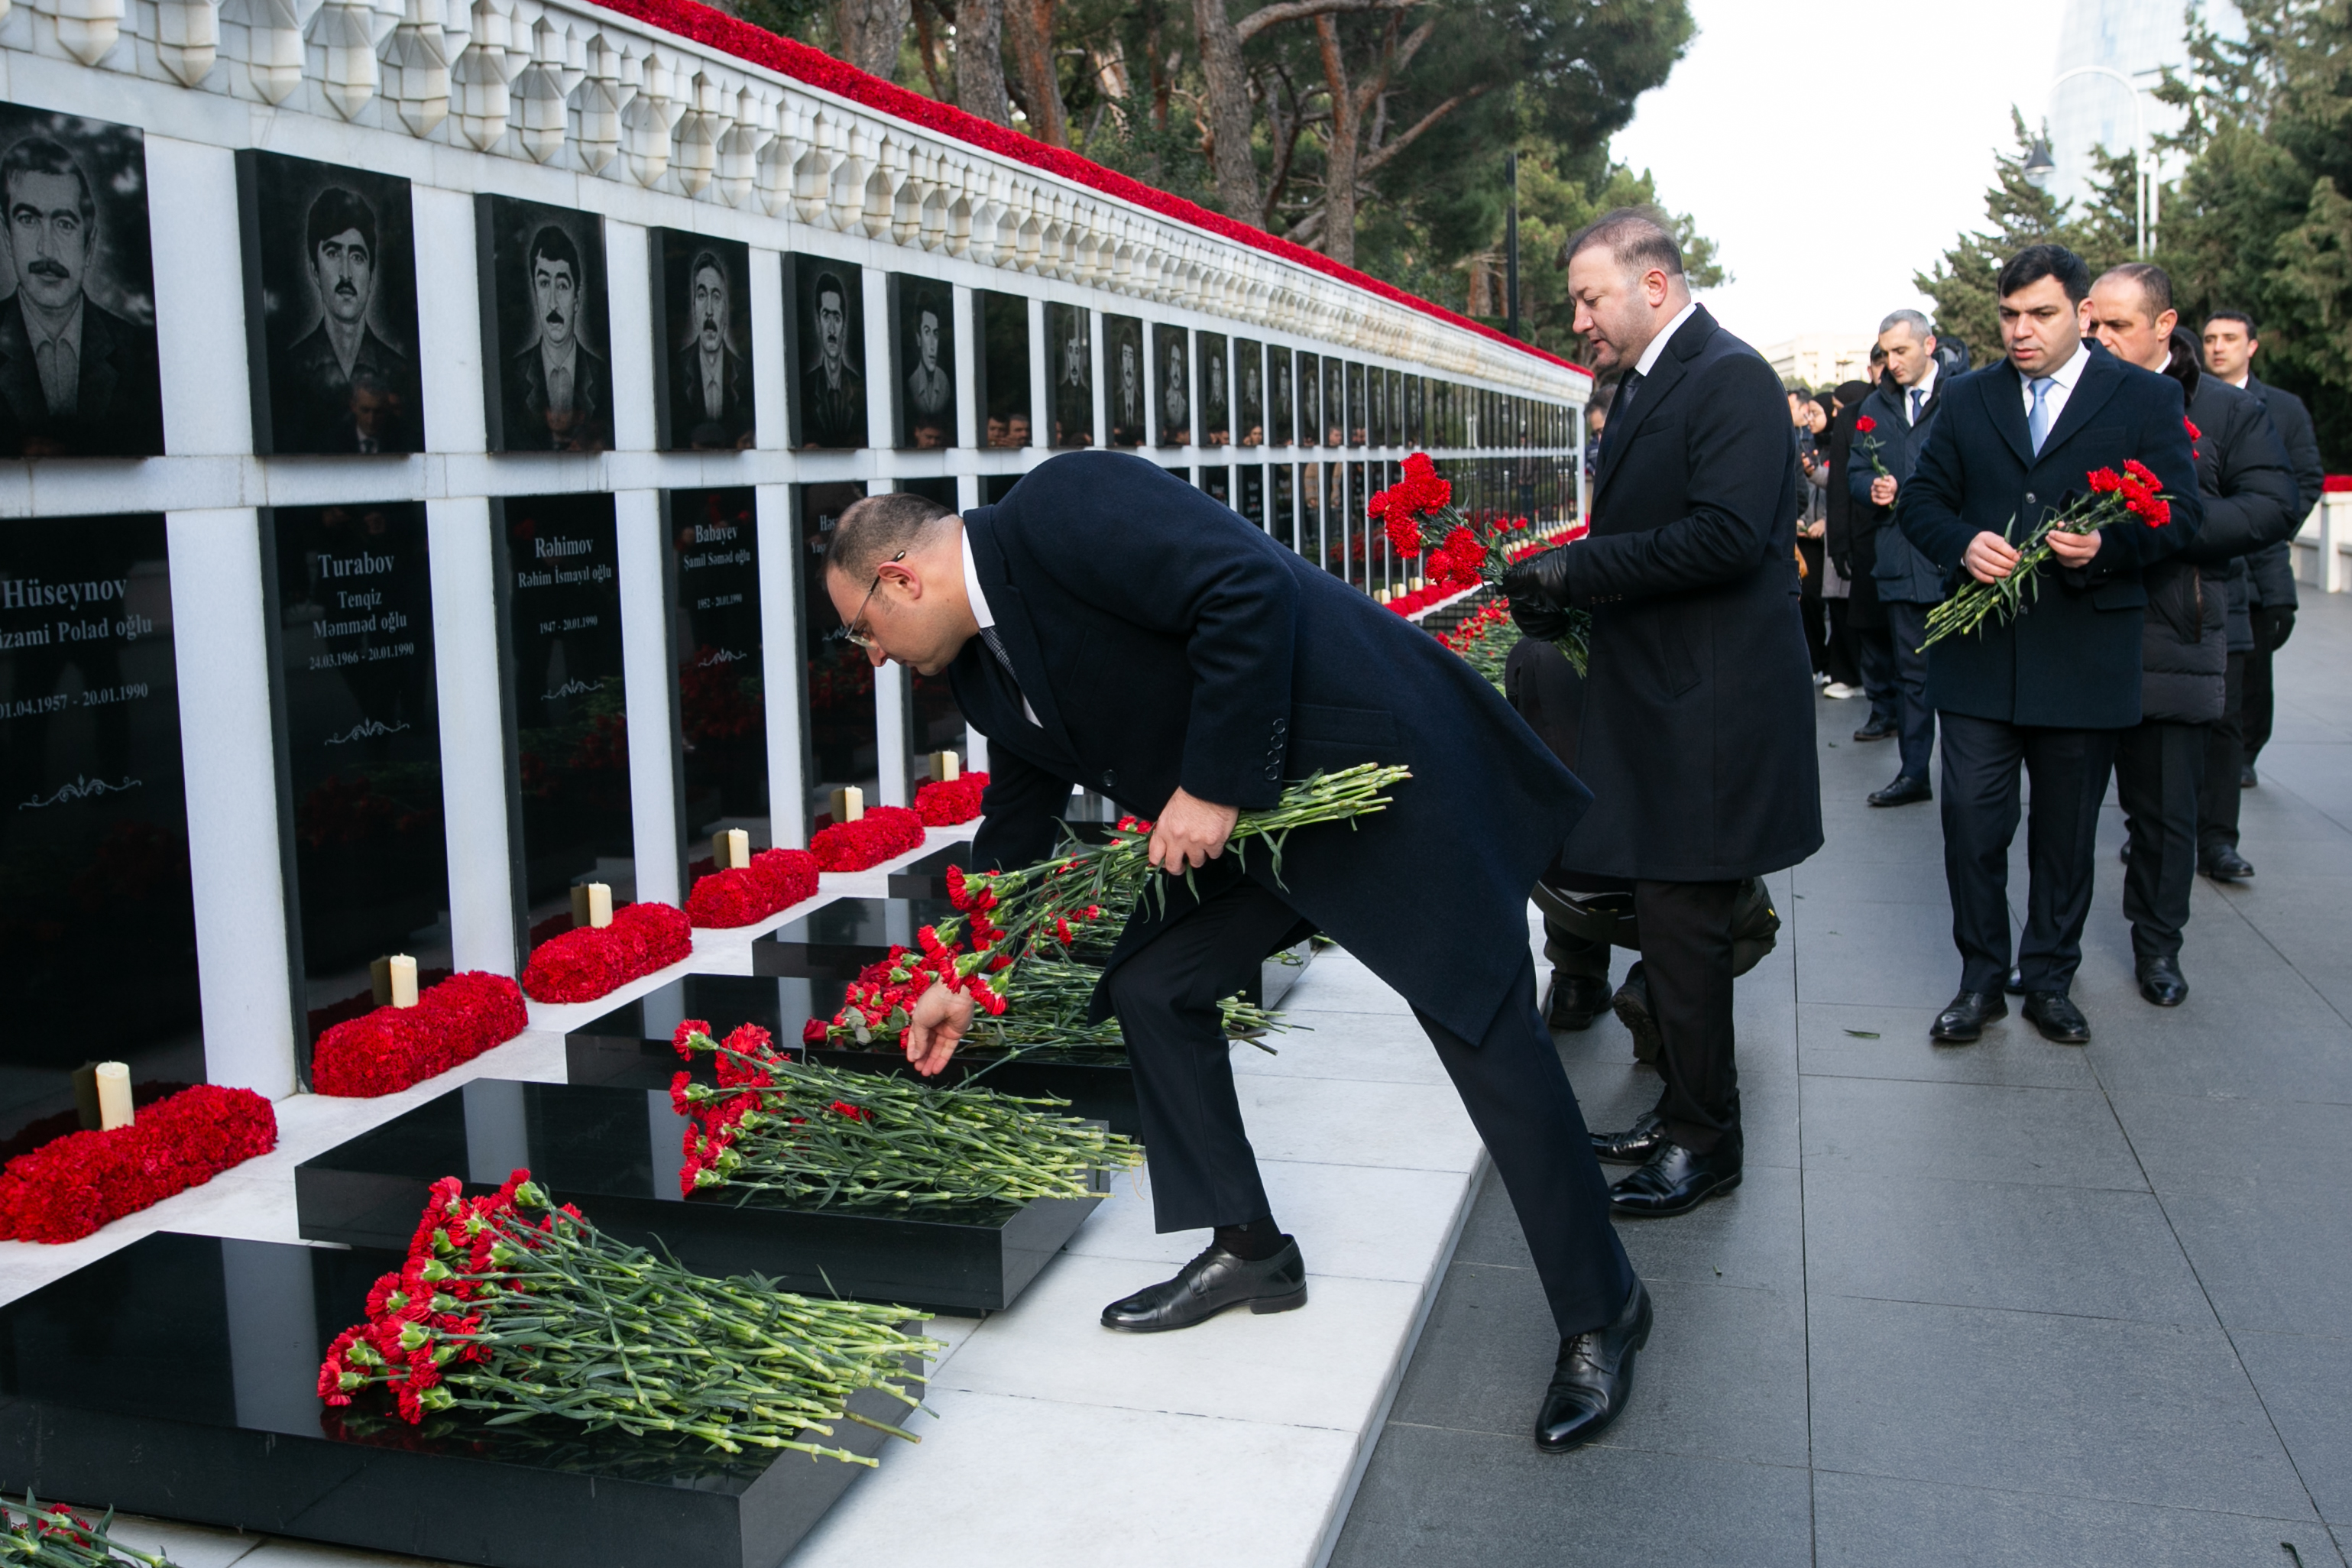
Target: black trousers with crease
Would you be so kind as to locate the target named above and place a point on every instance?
(1686, 961)
(1204, 1172)
(2158, 766)
(2225, 755)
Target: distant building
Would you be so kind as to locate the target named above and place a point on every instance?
(1821, 359)
(2137, 37)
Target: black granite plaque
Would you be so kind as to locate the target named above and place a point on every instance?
(351, 599)
(331, 307)
(1415, 393)
(715, 637)
(546, 343)
(702, 340)
(826, 320)
(1253, 493)
(1249, 393)
(1171, 399)
(923, 357)
(97, 940)
(559, 571)
(1350, 384)
(1069, 333)
(178, 1378)
(843, 741)
(1285, 517)
(1310, 400)
(1214, 391)
(995, 488)
(81, 272)
(834, 941)
(1282, 395)
(1217, 480)
(1003, 367)
(617, 1152)
(1123, 366)
(1395, 436)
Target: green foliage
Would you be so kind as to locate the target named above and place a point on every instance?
(2019, 214)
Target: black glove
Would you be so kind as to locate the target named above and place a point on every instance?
(2277, 625)
(1537, 591)
(1843, 562)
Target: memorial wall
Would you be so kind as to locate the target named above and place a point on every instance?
(420, 428)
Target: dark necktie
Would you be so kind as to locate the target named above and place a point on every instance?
(1619, 407)
(1919, 396)
(996, 645)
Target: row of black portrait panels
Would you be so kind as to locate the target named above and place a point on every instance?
(331, 284)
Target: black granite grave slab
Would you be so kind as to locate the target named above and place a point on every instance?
(178, 1378)
(927, 876)
(839, 939)
(617, 1152)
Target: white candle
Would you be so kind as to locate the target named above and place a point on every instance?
(730, 848)
(848, 803)
(946, 767)
(599, 904)
(403, 970)
(579, 905)
(114, 1095)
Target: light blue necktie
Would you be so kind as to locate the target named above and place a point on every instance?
(1918, 397)
(2037, 418)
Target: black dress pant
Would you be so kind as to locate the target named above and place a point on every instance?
(1915, 720)
(2271, 629)
(2225, 754)
(1687, 960)
(2158, 768)
(1841, 656)
(2069, 769)
(1203, 1171)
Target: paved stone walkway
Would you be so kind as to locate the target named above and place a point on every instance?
(2011, 1303)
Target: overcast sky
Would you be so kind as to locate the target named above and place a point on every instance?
(1833, 148)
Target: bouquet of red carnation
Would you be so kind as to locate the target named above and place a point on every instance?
(776, 880)
(883, 832)
(2113, 497)
(69, 1186)
(1484, 640)
(817, 1134)
(55, 1537)
(944, 803)
(1420, 508)
(587, 962)
(508, 1307)
(384, 1051)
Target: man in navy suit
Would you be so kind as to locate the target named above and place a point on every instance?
(1106, 623)
(2053, 689)
(1697, 725)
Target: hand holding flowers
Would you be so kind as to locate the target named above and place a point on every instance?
(2005, 574)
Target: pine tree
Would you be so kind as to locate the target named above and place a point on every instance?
(2022, 214)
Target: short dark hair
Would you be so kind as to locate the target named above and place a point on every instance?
(39, 155)
(2036, 262)
(552, 242)
(873, 530)
(707, 261)
(335, 210)
(2240, 317)
(1635, 237)
(830, 283)
(2155, 284)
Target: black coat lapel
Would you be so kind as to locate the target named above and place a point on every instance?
(2102, 377)
(1650, 397)
(1015, 630)
(2004, 391)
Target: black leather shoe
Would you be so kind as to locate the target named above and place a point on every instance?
(1963, 1021)
(1903, 792)
(1593, 1378)
(2226, 864)
(2060, 1021)
(1575, 1001)
(2161, 981)
(2246, 779)
(1632, 1005)
(1676, 1179)
(1875, 731)
(1207, 1285)
(1635, 1145)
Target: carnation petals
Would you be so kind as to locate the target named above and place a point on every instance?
(586, 962)
(774, 881)
(387, 1051)
(69, 1186)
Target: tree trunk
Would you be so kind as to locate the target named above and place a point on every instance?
(1029, 25)
(1227, 83)
(979, 61)
(1338, 236)
(870, 32)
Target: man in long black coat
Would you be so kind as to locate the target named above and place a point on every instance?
(1108, 625)
(1698, 711)
(2053, 689)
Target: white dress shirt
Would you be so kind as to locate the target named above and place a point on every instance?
(2053, 402)
(978, 597)
(1649, 359)
(1915, 398)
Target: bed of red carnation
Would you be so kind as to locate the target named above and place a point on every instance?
(67, 1188)
(944, 803)
(387, 1051)
(585, 963)
(774, 881)
(884, 832)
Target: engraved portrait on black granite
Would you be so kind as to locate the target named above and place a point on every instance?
(1249, 393)
(331, 289)
(1282, 389)
(1214, 392)
(827, 323)
(1070, 331)
(1123, 346)
(549, 383)
(923, 327)
(78, 372)
(702, 319)
(1171, 352)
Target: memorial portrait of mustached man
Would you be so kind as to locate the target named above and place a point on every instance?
(544, 299)
(78, 369)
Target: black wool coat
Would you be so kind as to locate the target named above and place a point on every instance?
(1903, 575)
(2270, 573)
(1163, 642)
(2071, 661)
(1697, 733)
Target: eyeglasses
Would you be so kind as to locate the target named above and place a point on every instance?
(848, 631)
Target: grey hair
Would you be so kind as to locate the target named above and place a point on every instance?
(873, 530)
(1911, 319)
(1635, 239)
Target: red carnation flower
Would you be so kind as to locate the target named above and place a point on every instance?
(2105, 481)
(2194, 433)
(1866, 424)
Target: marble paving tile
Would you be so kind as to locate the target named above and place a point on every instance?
(1339, 1122)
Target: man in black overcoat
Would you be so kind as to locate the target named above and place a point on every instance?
(1108, 625)
(2053, 689)
(1698, 736)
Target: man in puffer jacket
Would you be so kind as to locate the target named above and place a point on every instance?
(2250, 496)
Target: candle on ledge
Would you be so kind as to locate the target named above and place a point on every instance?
(730, 848)
(599, 904)
(380, 981)
(113, 1096)
(848, 803)
(946, 767)
(401, 970)
(579, 905)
